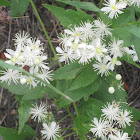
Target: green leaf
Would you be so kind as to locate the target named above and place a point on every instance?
(51, 87)
(5, 3)
(134, 30)
(67, 72)
(77, 94)
(129, 59)
(137, 46)
(86, 77)
(83, 5)
(68, 17)
(12, 134)
(105, 18)
(122, 19)
(18, 7)
(24, 113)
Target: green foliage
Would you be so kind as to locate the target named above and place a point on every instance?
(103, 95)
(12, 134)
(123, 18)
(79, 93)
(18, 7)
(87, 111)
(67, 72)
(83, 5)
(86, 77)
(68, 17)
(5, 3)
(129, 59)
(24, 113)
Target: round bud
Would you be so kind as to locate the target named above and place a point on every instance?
(23, 81)
(118, 77)
(111, 90)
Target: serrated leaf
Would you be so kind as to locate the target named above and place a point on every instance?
(68, 17)
(18, 7)
(83, 5)
(77, 94)
(24, 113)
(67, 72)
(12, 134)
(85, 78)
(5, 3)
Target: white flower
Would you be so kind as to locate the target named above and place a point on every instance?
(39, 64)
(100, 49)
(111, 90)
(99, 127)
(74, 33)
(135, 2)
(65, 40)
(9, 75)
(66, 54)
(31, 81)
(39, 112)
(102, 66)
(84, 53)
(21, 38)
(113, 62)
(30, 56)
(101, 29)
(50, 132)
(124, 118)
(113, 8)
(14, 56)
(87, 30)
(115, 48)
(119, 136)
(111, 112)
(45, 75)
(110, 129)
(118, 77)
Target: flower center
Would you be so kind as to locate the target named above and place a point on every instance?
(113, 7)
(98, 50)
(114, 61)
(74, 46)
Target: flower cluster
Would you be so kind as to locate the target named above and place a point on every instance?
(87, 43)
(28, 55)
(110, 125)
(114, 7)
(51, 130)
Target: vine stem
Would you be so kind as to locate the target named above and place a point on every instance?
(45, 32)
(68, 135)
(100, 4)
(63, 118)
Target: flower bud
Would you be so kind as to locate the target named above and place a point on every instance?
(23, 81)
(111, 90)
(118, 77)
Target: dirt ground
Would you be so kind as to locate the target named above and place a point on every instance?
(10, 26)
